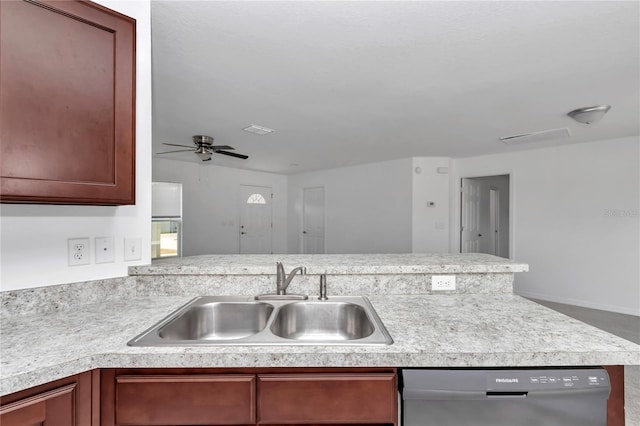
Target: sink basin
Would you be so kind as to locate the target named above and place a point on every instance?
(218, 321)
(240, 320)
(322, 321)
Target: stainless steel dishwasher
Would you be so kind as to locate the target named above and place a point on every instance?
(505, 397)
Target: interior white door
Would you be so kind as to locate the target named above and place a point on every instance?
(494, 221)
(470, 233)
(313, 220)
(255, 220)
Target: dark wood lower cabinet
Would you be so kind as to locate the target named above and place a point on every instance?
(249, 396)
(196, 399)
(66, 402)
(258, 396)
(345, 398)
(615, 404)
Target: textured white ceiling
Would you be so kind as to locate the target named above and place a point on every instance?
(344, 83)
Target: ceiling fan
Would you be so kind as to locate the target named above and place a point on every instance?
(204, 148)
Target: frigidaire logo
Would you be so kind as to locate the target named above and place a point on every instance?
(514, 380)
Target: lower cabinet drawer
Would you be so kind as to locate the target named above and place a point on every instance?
(227, 399)
(327, 398)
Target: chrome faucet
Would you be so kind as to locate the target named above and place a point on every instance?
(283, 281)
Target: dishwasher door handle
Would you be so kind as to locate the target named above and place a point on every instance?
(442, 394)
(506, 395)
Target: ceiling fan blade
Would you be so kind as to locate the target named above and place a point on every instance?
(219, 147)
(232, 154)
(179, 150)
(173, 144)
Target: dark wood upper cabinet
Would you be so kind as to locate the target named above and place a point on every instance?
(67, 107)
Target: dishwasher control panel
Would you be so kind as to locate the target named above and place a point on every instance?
(507, 380)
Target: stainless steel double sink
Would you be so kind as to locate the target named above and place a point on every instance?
(233, 320)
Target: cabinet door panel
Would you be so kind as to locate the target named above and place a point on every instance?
(53, 408)
(185, 400)
(327, 398)
(67, 110)
(27, 415)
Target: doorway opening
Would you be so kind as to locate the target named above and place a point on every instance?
(484, 215)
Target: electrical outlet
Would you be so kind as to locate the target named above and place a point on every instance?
(78, 251)
(105, 250)
(443, 282)
(132, 249)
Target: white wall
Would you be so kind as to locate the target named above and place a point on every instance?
(576, 221)
(368, 207)
(33, 238)
(211, 204)
(430, 225)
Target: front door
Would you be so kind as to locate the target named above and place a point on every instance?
(255, 220)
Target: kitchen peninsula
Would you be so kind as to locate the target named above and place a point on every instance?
(52, 333)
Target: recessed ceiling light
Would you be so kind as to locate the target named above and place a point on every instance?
(258, 130)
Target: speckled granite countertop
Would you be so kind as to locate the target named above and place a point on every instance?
(429, 331)
(332, 264)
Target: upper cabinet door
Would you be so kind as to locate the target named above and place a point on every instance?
(67, 107)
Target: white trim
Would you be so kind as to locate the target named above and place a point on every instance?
(577, 302)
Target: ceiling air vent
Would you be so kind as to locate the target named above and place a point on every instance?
(258, 130)
(545, 135)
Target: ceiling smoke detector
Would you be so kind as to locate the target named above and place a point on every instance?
(589, 115)
(258, 130)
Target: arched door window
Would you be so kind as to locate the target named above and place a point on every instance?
(256, 199)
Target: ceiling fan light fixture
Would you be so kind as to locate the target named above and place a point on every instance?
(589, 115)
(258, 130)
(204, 156)
(203, 153)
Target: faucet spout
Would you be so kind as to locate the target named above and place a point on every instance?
(283, 281)
(280, 277)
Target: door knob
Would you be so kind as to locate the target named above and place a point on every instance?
(304, 232)
(242, 233)
(479, 235)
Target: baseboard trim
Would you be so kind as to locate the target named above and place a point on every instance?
(579, 302)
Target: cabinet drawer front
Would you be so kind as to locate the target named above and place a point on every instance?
(185, 400)
(323, 398)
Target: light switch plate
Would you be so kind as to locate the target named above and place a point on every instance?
(443, 282)
(132, 249)
(105, 250)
